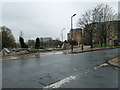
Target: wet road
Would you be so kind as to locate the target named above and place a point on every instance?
(61, 71)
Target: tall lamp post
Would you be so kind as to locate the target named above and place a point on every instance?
(72, 32)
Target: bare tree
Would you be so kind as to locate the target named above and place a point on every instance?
(87, 23)
(104, 16)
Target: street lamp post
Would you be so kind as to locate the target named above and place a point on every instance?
(72, 32)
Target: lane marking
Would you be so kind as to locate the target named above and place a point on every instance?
(61, 82)
(102, 65)
(68, 79)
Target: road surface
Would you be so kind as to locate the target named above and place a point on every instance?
(81, 70)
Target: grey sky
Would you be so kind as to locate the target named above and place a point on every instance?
(44, 19)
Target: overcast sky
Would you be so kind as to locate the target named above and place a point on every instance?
(44, 19)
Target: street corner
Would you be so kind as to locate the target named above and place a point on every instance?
(115, 62)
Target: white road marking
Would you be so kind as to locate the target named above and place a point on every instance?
(102, 65)
(61, 82)
(68, 79)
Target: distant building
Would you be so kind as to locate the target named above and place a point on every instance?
(45, 39)
(75, 34)
(31, 43)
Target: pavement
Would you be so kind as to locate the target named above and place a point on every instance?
(23, 56)
(113, 61)
(87, 49)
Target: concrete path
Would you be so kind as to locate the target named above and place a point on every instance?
(30, 55)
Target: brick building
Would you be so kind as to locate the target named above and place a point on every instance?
(112, 33)
(76, 35)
